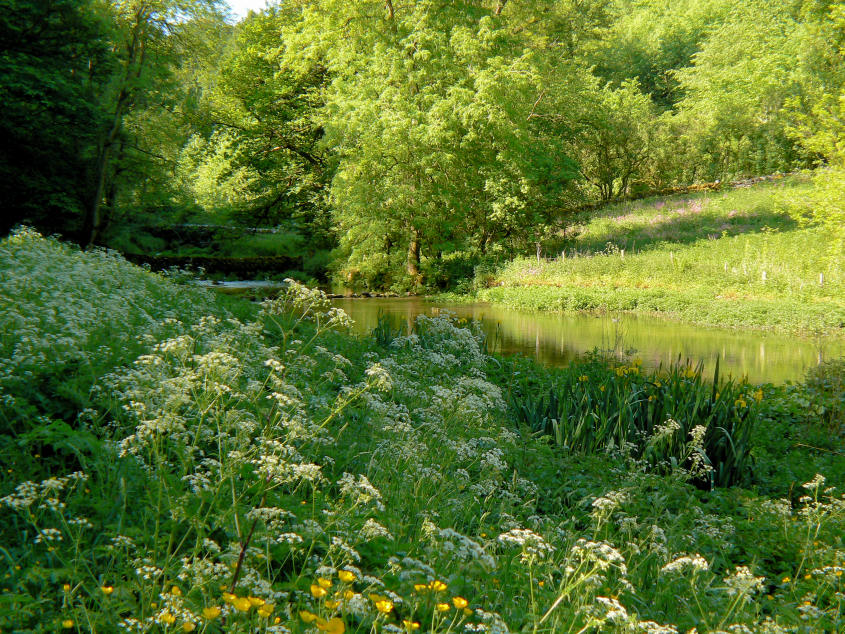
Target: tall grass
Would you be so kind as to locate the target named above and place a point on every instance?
(670, 419)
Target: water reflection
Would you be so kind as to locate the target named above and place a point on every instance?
(556, 339)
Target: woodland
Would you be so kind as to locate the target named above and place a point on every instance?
(396, 145)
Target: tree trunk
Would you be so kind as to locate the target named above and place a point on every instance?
(93, 223)
(414, 255)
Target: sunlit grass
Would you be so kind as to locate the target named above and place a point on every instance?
(734, 258)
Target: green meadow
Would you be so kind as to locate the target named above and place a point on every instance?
(736, 258)
(178, 461)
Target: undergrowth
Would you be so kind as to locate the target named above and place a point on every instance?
(239, 468)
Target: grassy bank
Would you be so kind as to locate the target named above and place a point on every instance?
(175, 462)
(733, 258)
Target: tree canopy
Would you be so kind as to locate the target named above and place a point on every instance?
(403, 134)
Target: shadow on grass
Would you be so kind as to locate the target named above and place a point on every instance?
(646, 227)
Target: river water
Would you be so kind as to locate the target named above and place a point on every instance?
(556, 339)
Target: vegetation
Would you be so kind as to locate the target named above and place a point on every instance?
(398, 145)
(176, 463)
(736, 258)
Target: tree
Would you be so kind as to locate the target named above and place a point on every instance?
(433, 111)
(54, 53)
(144, 35)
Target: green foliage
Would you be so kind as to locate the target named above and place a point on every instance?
(260, 462)
(54, 53)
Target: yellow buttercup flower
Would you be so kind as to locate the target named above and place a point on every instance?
(459, 602)
(307, 616)
(420, 587)
(228, 597)
(467, 612)
(175, 591)
(384, 606)
(66, 587)
(346, 576)
(188, 626)
(437, 586)
(242, 604)
(331, 604)
(254, 601)
(266, 610)
(348, 594)
(411, 625)
(317, 591)
(332, 626)
(324, 583)
(442, 607)
(107, 590)
(211, 612)
(167, 618)
(67, 624)
(786, 580)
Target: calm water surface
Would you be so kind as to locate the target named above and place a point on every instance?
(557, 339)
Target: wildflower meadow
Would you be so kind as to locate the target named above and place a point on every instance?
(177, 461)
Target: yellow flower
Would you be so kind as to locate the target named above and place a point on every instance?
(266, 610)
(67, 624)
(808, 576)
(66, 587)
(384, 606)
(188, 627)
(467, 612)
(740, 402)
(437, 586)
(460, 602)
(346, 576)
(242, 604)
(583, 378)
(175, 591)
(107, 590)
(420, 587)
(348, 594)
(324, 583)
(411, 625)
(332, 626)
(331, 604)
(167, 618)
(307, 616)
(253, 601)
(442, 607)
(786, 580)
(317, 591)
(211, 613)
(601, 388)
(758, 395)
(228, 597)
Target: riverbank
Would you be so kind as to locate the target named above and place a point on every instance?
(735, 258)
(176, 460)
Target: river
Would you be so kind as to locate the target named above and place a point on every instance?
(556, 339)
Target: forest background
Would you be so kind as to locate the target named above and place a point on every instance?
(398, 145)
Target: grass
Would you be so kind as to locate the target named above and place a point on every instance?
(735, 258)
(225, 466)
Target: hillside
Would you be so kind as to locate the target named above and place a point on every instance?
(731, 258)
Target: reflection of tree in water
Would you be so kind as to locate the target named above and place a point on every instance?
(556, 339)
